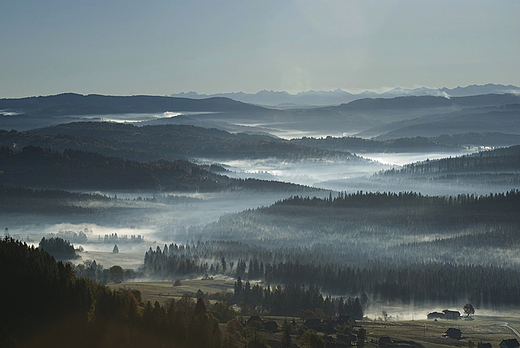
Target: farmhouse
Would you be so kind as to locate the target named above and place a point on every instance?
(312, 323)
(271, 326)
(453, 333)
(255, 321)
(451, 314)
(385, 341)
(435, 315)
(510, 343)
(347, 339)
(446, 314)
(345, 320)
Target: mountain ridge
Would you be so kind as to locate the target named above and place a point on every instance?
(43, 168)
(339, 96)
(78, 104)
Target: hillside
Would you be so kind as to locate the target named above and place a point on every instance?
(34, 112)
(503, 160)
(477, 120)
(73, 169)
(362, 116)
(92, 104)
(394, 246)
(169, 142)
(354, 222)
(25, 200)
(360, 145)
(486, 139)
(494, 170)
(46, 305)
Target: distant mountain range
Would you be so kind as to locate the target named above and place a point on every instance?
(320, 98)
(34, 112)
(385, 118)
(76, 104)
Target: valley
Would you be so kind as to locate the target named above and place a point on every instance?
(372, 217)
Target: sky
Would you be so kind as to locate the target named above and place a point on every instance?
(159, 47)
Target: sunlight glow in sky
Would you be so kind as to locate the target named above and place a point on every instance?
(163, 47)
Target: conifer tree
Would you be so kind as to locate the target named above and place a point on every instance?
(286, 338)
(200, 307)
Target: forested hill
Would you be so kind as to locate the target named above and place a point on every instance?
(410, 211)
(92, 104)
(336, 272)
(504, 160)
(73, 169)
(170, 142)
(46, 305)
(493, 204)
(22, 199)
(445, 142)
(382, 225)
(360, 145)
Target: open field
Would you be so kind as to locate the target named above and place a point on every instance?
(162, 291)
(428, 333)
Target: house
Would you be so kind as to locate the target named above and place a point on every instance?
(327, 327)
(255, 321)
(453, 333)
(446, 314)
(454, 315)
(342, 338)
(271, 326)
(484, 345)
(312, 323)
(385, 341)
(435, 315)
(345, 320)
(510, 343)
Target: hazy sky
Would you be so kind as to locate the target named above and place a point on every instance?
(162, 47)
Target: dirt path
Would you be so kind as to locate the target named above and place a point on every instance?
(510, 328)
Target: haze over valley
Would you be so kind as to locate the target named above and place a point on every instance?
(419, 184)
(271, 174)
(210, 163)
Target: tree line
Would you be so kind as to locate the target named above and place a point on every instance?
(46, 305)
(23, 199)
(395, 227)
(493, 161)
(418, 283)
(171, 142)
(294, 300)
(75, 169)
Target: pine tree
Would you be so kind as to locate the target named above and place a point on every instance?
(200, 307)
(286, 338)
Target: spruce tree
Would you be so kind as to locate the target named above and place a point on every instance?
(200, 307)
(286, 338)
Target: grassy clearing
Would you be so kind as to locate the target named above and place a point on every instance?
(164, 290)
(429, 332)
(492, 329)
